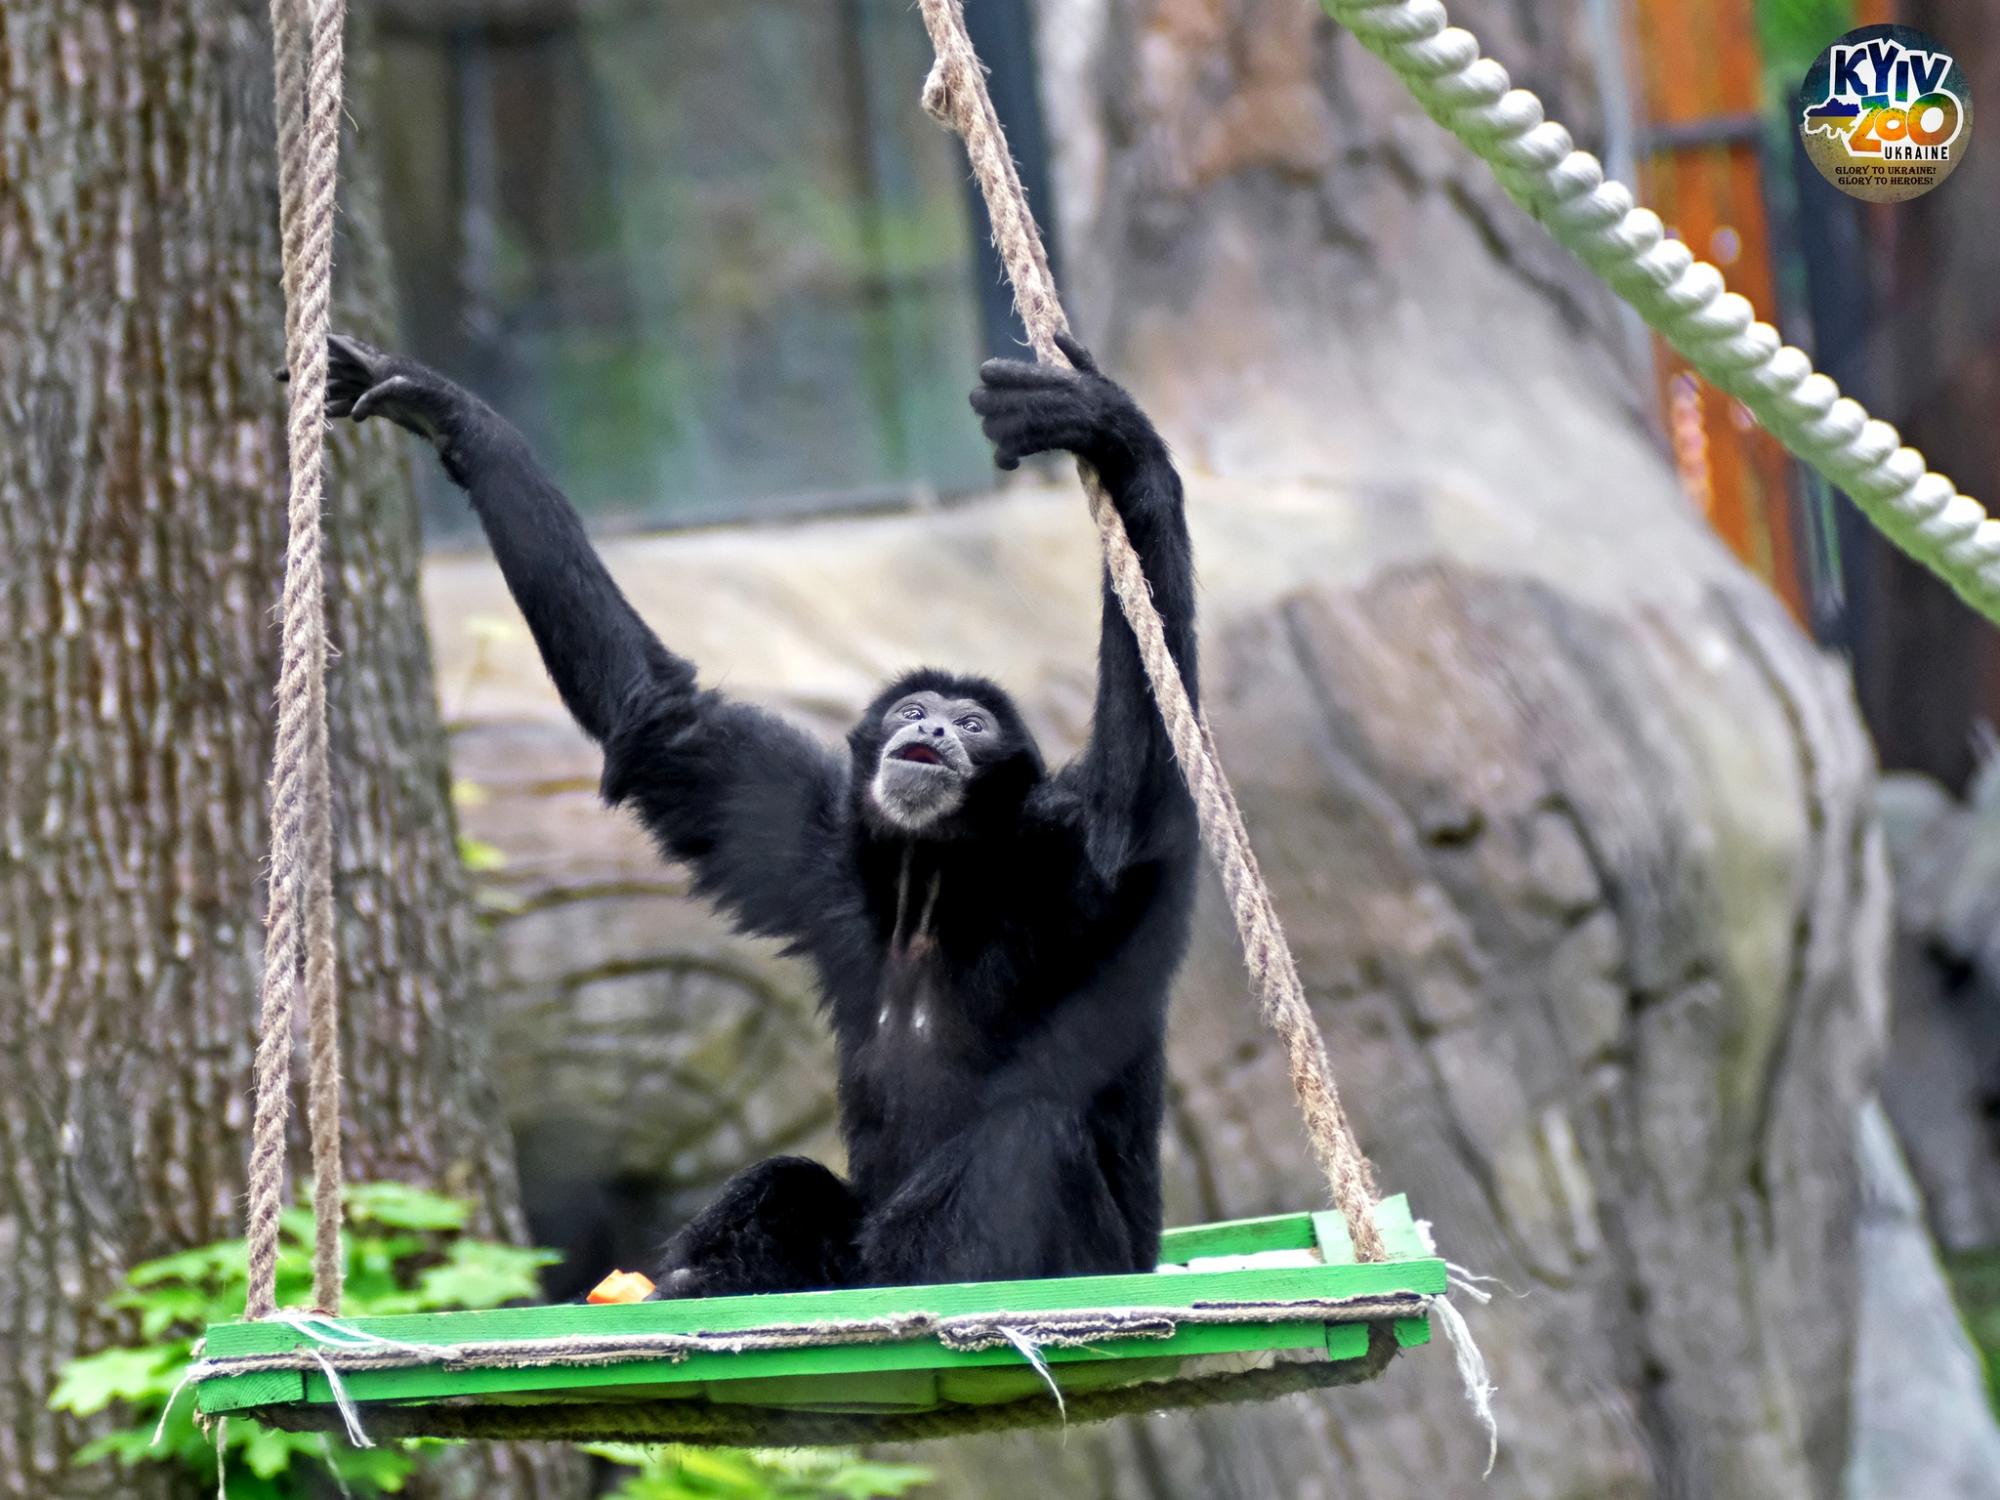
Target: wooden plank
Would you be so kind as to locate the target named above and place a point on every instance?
(1399, 1230)
(1237, 1237)
(731, 1314)
(1401, 1238)
(1345, 1340)
(266, 1388)
(1174, 1289)
(1331, 1237)
(870, 1391)
(984, 1387)
(840, 1362)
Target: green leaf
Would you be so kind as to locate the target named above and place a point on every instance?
(129, 1445)
(478, 856)
(400, 1206)
(675, 1473)
(632, 1455)
(865, 1481)
(300, 1228)
(386, 1469)
(91, 1383)
(477, 1273)
(168, 1306)
(268, 1452)
(206, 1264)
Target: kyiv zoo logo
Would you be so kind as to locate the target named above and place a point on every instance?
(1885, 113)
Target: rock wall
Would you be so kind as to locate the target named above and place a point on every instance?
(1571, 831)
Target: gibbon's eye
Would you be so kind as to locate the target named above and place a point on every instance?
(972, 724)
(911, 711)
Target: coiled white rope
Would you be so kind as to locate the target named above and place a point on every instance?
(1684, 299)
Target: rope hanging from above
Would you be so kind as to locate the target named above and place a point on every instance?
(1347, 1319)
(299, 933)
(1684, 299)
(955, 94)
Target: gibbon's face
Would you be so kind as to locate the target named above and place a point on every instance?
(933, 748)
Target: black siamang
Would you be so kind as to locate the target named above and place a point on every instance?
(994, 942)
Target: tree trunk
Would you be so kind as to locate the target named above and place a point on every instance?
(141, 529)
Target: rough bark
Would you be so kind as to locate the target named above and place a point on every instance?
(1570, 826)
(141, 528)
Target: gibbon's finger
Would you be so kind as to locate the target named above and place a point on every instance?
(341, 349)
(388, 390)
(1004, 374)
(338, 407)
(1001, 400)
(1004, 458)
(1076, 354)
(1011, 434)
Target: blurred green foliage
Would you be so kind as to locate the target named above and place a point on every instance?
(406, 1251)
(1791, 33)
(675, 1473)
(1975, 1281)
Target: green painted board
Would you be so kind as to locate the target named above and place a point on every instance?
(840, 1361)
(844, 1376)
(1402, 1239)
(1237, 1237)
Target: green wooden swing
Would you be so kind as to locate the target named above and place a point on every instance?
(1237, 1311)
(876, 1363)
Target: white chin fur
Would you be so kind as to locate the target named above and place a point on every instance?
(912, 797)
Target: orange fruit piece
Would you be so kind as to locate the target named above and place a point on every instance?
(620, 1286)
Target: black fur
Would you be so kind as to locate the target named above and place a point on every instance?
(997, 984)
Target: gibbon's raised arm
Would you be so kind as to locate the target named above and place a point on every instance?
(735, 792)
(1138, 806)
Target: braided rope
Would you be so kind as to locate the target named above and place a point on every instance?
(955, 94)
(1684, 299)
(298, 940)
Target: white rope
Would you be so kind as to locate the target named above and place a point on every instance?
(1029, 1350)
(187, 1379)
(1683, 298)
(1472, 1372)
(1471, 1369)
(350, 1418)
(338, 1335)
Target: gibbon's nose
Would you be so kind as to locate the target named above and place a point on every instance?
(939, 730)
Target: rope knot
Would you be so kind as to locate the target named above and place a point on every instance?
(941, 100)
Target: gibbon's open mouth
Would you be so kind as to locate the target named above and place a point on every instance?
(923, 755)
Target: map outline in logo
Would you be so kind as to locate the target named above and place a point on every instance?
(1885, 113)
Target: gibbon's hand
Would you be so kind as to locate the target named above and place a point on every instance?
(363, 381)
(1036, 408)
